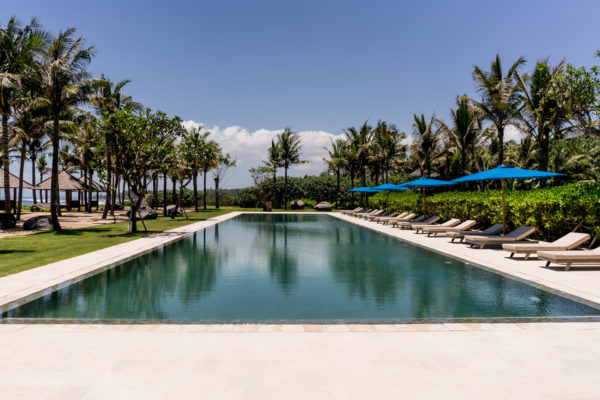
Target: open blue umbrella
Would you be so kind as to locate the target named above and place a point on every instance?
(365, 189)
(425, 183)
(387, 187)
(502, 173)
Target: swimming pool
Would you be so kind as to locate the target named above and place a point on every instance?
(295, 268)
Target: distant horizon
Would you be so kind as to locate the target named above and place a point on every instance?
(246, 71)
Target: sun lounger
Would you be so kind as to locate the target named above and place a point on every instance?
(420, 218)
(445, 229)
(384, 220)
(492, 230)
(385, 214)
(365, 212)
(357, 209)
(496, 240)
(568, 242)
(431, 220)
(419, 226)
(371, 214)
(570, 258)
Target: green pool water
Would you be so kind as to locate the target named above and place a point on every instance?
(294, 267)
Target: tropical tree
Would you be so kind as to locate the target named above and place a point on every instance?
(465, 134)
(18, 48)
(540, 112)
(66, 84)
(223, 165)
(193, 150)
(290, 152)
(210, 153)
(359, 143)
(425, 148)
(499, 96)
(337, 162)
(42, 167)
(274, 162)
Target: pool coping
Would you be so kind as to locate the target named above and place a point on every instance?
(25, 286)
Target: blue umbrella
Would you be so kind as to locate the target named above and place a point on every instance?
(387, 187)
(502, 173)
(424, 183)
(365, 189)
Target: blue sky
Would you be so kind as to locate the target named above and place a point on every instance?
(316, 66)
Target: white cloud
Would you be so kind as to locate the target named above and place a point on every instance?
(250, 148)
(513, 133)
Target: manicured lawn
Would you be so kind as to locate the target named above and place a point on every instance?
(18, 253)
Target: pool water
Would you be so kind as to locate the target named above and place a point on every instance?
(295, 267)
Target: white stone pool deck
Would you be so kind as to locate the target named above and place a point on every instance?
(400, 361)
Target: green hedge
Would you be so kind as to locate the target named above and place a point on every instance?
(553, 211)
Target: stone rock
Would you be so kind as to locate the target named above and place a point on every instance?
(119, 207)
(173, 211)
(145, 212)
(297, 205)
(40, 207)
(7, 221)
(323, 206)
(39, 223)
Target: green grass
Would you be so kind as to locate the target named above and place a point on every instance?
(19, 253)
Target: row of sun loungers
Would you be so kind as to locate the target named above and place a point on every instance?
(516, 242)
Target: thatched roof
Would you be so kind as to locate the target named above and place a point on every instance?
(66, 181)
(96, 187)
(13, 181)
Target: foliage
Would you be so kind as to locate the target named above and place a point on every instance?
(552, 211)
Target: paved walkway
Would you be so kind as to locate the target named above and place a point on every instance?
(499, 361)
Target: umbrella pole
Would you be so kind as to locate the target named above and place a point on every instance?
(503, 209)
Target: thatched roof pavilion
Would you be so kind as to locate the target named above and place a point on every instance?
(13, 181)
(66, 182)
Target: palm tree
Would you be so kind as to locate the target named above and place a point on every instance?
(388, 147)
(359, 140)
(465, 134)
(499, 96)
(67, 84)
(274, 162)
(290, 150)
(86, 140)
(540, 112)
(192, 153)
(337, 162)
(210, 153)
(107, 98)
(425, 148)
(42, 167)
(18, 48)
(524, 154)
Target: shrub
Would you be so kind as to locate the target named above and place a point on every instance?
(553, 211)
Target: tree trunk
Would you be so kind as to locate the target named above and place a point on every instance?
(204, 193)
(217, 193)
(85, 198)
(337, 192)
(109, 200)
(174, 194)
(500, 128)
(33, 159)
(285, 189)
(164, 194)
(5, 163)
(274, 197)
(155, 190)
(114, 195)
(21, 171)
(195, 183)
(352, 184)
(89, 190)
(543, 150)
(54, 194)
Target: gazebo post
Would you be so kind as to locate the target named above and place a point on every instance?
(98, 200)
(503, 208)
(78, 200)
(15, 200)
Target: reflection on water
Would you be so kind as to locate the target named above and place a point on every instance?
(295, 267)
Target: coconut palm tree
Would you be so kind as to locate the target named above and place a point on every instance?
(499, 96)
(337, 162)
(465, 134)
(425, 148)
(540, 113)
(387, 146)
(274, 162)
(192, 153)
(359, 140)
(210, 153)
(67, 84)
(290, 151)
(18, 48)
